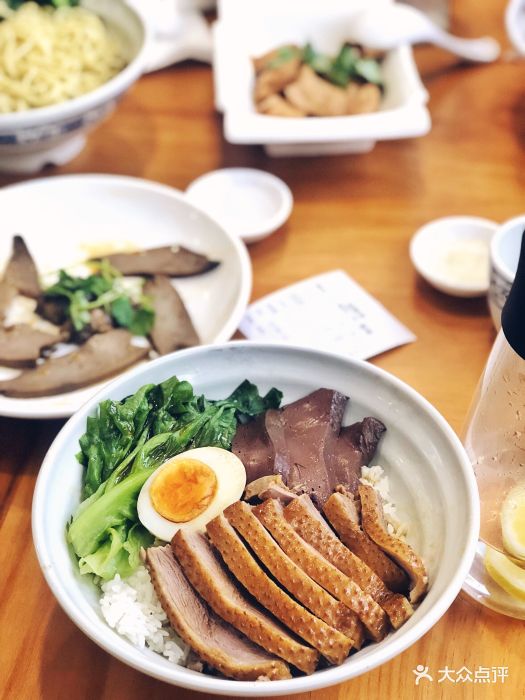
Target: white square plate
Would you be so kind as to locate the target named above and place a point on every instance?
(239, 35)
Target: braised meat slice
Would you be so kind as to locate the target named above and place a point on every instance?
(253, 447)
(173, 327)
(270, 513)
(374, 525)
(212, 640)
(21, 272)
(211, 580)
(100, 357)
(355, 448)
(303, 434)
(173, 261)
(289, 575)
(7, 294)
(342, 513)
(332, 644)
(21, 345)
(311, 526)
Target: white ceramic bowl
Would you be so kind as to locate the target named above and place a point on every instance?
(504, 256)
(246, 30)
(31, 139)
(432, 483)
(432, 242)
(67, 219)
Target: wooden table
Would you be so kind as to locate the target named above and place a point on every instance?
(357, 213)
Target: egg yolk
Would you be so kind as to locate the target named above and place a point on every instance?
(183, 489)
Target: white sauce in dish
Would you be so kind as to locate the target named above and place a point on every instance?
(464, 262)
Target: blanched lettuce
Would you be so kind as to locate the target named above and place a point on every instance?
(124, 444)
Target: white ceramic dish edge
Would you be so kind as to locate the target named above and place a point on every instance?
(124, 652)
(236, 315)
(487, 229)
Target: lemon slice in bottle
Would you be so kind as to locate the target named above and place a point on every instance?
(505, 572)
(513, 522)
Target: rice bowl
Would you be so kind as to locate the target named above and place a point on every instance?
(431, 482)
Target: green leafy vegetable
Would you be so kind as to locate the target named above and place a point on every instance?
(349, 65)
(125, 442)
(103, 290)
(284, 54)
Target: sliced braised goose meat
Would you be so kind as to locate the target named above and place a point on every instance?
(7, 294)
(253, 447)
(22, 345)
(276, 106)
(332, 644)
(100, 357)
(213, 641)
(374, 525)
(21, 272)
(173, 328)
(290, 576)
(342, 513)
(254, 488)
(210, 579)
(310, 525)
(280, 493)
(302, 434)
(172, 261)
(270, 513)
(354, 448)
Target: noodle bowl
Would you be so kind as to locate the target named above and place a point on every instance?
(48, 56)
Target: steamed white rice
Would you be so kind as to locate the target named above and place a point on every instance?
(131, 607)
(375, 476)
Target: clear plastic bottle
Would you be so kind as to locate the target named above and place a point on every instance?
(494, 437)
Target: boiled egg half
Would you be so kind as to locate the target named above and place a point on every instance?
(189, 490)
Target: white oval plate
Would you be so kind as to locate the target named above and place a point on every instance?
(64, 220)
(432, 484)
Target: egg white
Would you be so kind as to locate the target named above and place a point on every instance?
(231, 482)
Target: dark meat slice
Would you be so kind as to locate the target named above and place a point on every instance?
(254, 448)
(355, 448)
(374, 525)
(311, 526)
(53, 309)
(333, 645)
(208, 576)
(270, 513)
(208, 636)
(302, 434)
(22, 345)
(7, 294)
(341, 511)
(290, 576)
(172, 327)
(173, 261)
(21, 272)
(101, 356)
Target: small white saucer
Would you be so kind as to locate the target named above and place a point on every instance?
(248, 202)
(453, 254)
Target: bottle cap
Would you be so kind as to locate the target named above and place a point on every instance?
(513, 314)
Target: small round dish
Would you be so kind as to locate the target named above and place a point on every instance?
(452, 254)
(247, 202)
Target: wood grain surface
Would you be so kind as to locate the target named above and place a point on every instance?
(356, 213)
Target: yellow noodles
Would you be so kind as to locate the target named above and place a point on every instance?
(50, 55)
